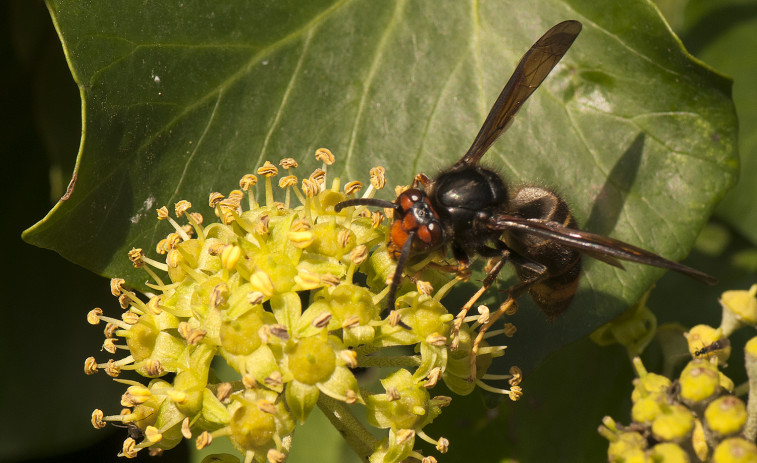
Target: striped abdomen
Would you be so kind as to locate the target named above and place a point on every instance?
(553, 290)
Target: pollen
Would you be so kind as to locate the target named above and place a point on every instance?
(324, 155)
(319, 177)
(116, 285)
(204, 440)
(129, 449)
(216, 198)
(359, 254)
(186, 431)
(352, 187)
(288, 163)
(287, 181)
(246, 183)
(182, 207)
(268, 170)
(137, 257)
(153, 368)
(322, 320)
(377, 218)
(97, 419)
(377, 177)
(275, 456)
(310, 187)
(93, 317)
(90, 366)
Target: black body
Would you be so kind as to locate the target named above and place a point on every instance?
(470, 208)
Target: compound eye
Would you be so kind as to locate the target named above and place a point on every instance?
(431, 234)
(408, 199)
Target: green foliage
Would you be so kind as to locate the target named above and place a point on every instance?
(181, 99)
(638, 137)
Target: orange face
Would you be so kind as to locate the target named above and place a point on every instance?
(415, 215)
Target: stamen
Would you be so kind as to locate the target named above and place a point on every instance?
(138, 258)
(203, 440)
(186, 431)
(286, 182)
(268, 170)
(352, 187)
(216, 198)
(404, 435)
(495, 390)
(274, 456)
(246, 183)
(325, 155)
(95, 316)
(319, 177)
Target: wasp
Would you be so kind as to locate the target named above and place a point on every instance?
(715, 346)
(470, 209)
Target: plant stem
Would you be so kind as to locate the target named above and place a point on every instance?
(357, 437)
(401, 361)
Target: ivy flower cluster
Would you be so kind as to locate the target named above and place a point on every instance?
(290, 297)
(699, 416)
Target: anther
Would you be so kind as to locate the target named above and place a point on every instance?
(352, 187)
(162, 213)
(93, 316)
(274, 380)
(116, 286)
(203, 440)
(97, 419)
(324, 155)
(182, 207)
(310, 187)
(424, 287)
(268, 170)
(288, 163)
(186, 431)
(224, 391)
(403, 435)
(377, 177)
(153, 368)
(287, 181)
(433, 377)
(349, 357)
(129, 449)
(247, 182)
(275, 456)
(260, 281)
(359, 254)
(90, 366)
(215, 198)
(319, 177)
(322, 320)
(266, 407)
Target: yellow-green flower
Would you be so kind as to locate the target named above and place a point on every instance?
(318, 363)
(276, 290)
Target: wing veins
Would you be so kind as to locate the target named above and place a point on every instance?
(531, 71)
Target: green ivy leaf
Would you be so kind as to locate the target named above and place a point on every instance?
(718, 33)
(182, 99)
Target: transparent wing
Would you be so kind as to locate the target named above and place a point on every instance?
(598, 246)
(533, 68)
